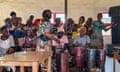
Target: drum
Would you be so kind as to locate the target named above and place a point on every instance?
(62, 62)
(91, 58)
(79, 56)
(101, 58)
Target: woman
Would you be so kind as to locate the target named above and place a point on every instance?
(80, 43)
(70, 25)
(98, 26)
(89, 26)
(6, 42)
(30, 41)
(81, 22)
(83, 40)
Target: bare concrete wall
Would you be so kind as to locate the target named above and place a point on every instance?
(79, 8)
(104, 5)
(76, 8)
(24, 8)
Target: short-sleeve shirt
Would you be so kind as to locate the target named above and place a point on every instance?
(75, 34)
(97, 29)
(45, 27)
(6, 44)
(30, 41)
(41, 42)
(82, 41)
(63, 41)
(96, 26)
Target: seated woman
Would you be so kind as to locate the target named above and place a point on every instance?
(30, 41)
(81, 43)
(83, 40)
(60, 46)
(6, 44)
(61, 43)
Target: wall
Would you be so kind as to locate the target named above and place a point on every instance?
(24, 8)
(104, 5)
(76, 8)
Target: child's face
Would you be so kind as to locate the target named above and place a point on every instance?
(9, 21)
(28, 33)
(25, 28)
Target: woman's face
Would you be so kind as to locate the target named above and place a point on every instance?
(99, 17)
(89, 21)
(81, 20)
(5, 32)
(83, 31)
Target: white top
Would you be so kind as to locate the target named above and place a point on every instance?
(82, 41)
(62, 40)
(6, 44)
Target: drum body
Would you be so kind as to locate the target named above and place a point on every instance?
(62, 62)
(79, 56)
(101, 58)
(91, 55)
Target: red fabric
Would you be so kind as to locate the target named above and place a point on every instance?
(79, 55)
(36, 21)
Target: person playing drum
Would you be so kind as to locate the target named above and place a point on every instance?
(83, 40)
(80, 44)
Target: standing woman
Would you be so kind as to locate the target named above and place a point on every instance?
(81, 22)
(77, 27)
(98, 26)
(97, 40)
(70, 24)
(89, 26)
(81, 43)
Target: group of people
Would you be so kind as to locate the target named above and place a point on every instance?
(37, 33)
(87, 37)
(91, 31)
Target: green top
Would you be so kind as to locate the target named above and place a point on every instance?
(97, 29)
(41, 42)
(45, 27)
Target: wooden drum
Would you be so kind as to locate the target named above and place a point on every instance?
(79, 56)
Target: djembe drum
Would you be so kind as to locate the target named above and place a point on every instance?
(79, 56)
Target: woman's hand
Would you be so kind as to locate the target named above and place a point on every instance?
(10, 51)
